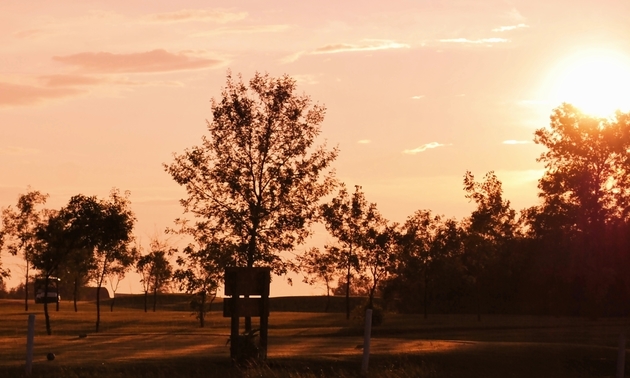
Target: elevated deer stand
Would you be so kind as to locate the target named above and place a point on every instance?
(241, 284)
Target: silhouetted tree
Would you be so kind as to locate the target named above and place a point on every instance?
(200, 273)
(319, 266)
(111, 235)
(490, 226)
(379, 254)
(82, 213)
(586, 199)
(254, 183)
(116, 274)
(348, 218)
(17, 234)
(428, 250)
(155, 270)
(53, 245)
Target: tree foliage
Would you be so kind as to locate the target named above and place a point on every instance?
(17, 234)
(585, 194)
(155, 269)
(200, 273)
(349, 219)
(487, 232)
(319, 266)
(429, 249)
(255, 181)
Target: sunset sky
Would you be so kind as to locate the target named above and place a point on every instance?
(99, 94)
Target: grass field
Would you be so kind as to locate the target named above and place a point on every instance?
(169, 343)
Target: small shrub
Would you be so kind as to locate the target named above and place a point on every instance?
(247, 349)
(358, 315)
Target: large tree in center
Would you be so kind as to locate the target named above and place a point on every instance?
(254, 183)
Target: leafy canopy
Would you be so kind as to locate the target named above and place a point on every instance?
(254, 182)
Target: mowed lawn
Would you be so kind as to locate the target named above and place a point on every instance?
(169, 343)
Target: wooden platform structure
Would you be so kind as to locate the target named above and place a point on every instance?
(242, 284)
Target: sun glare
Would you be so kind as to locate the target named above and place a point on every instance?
(597, 82)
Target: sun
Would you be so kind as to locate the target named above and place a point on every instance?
(596, 81)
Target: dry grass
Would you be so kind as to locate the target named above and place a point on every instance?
(170, 344)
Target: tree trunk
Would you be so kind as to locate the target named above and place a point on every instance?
(26, 287)
(250, 263)
(75, 293)
(327, 297)
(371, 298)
(202, 307)
(111, 304)
(57, 298)
(348, 293)
(478, 301)
(146, 299)
(98, 296)
(426, 290)
(48, 330)
(98, 307)
(154, 296)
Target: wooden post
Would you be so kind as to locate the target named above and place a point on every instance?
(29, 344)
(367, 334)
(247, 282)
(264, 313)
(621, 355)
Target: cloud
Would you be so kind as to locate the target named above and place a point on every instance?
(364, 141)
(366, 45)
(248, 29)
(514, 14)
(151, 61)
(475, 41)
(417, 97)
(423, 148)
(510, 27)
(17, 151)
(305, 79)
(17, 94)
(84, 80)
(187, 15)
(29, 33)
(70, 80)
(512, 141)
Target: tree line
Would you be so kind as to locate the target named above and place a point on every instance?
(258, 181)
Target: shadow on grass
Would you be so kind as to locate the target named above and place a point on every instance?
(387, 367)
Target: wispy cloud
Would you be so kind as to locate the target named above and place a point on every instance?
(364, 141)
(151, 61)
(18, 94)
(246, 29)
(365, 45)
(306, 79)
(17, 151)
(70, 80)
(417, 97)
(475, 41)
(423, 148)
(188, 15)
(29, 33)
(85, 81)
(509, 27)
(512, 141)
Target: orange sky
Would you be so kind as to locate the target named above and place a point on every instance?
(98, 94)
